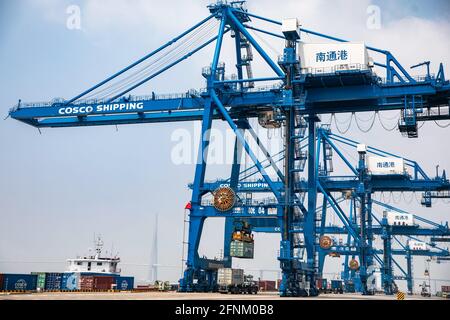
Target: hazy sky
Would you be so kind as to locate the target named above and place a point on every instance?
(60, 187)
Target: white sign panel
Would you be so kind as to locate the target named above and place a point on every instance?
(386, 165)
(332, 55)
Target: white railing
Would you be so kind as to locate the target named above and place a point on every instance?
(335, 69)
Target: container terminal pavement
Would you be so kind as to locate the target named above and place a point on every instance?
(309, 80)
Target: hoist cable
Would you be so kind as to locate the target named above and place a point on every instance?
(159, 66)
(396, 117)
(418, 201)
(384, 127)
(396, 200)
(371, 125)
(442, 126)
(140, 60)
(390, 197)
(152, 66)
(410, 199)
(162, 55)
(337, 126)
(169, 53)
(366, 120)
(341, 122)
(274, 51)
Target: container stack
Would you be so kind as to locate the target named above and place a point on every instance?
(53, 281)
(267, 285)
(124, 283)
(87, 283)
(103, 282)
(69, 281)
(228, 276)
(40, 285)
(19, 282)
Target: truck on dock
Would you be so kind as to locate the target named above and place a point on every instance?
(235, 282)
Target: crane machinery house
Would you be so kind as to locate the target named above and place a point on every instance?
(386, 166)
(322, 58)
(399, 219)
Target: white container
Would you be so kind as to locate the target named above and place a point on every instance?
(417, 245)
(399, 219)
(378, 281)
(386, 165)
(332, 57)
(229, 276)
(375, 281)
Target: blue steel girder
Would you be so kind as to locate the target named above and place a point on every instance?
(188, 108)
(243, 211)
(371, 150)
(349, 250)
(341, 184)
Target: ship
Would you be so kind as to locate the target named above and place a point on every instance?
(94, 262)
(91, 272)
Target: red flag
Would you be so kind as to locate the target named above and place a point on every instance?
(188, 206)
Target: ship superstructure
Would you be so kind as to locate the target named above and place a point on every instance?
(94, 262)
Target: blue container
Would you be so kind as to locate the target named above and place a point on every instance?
(53, 281)
(358, 285)
(25, 282)
(349, 287)
(124, 283)
(336, 284)
(70, 281)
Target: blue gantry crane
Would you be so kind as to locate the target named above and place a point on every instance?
(295, 101)
(414, 181)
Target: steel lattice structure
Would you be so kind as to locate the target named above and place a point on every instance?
(296, 104)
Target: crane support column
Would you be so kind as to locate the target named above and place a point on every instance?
(409, 276)
(387, 274)
(311, 216)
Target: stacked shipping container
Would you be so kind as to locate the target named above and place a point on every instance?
(64, 282)
(103, 282)
(86, 282)
(53, 281)
(23, 282)
(267, 285)
(124, 283)
(70, 281)
(228, 276)
(40, 280)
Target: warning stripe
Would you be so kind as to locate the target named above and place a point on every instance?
(400, 296)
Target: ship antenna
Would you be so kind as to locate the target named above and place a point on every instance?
(98, 246)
